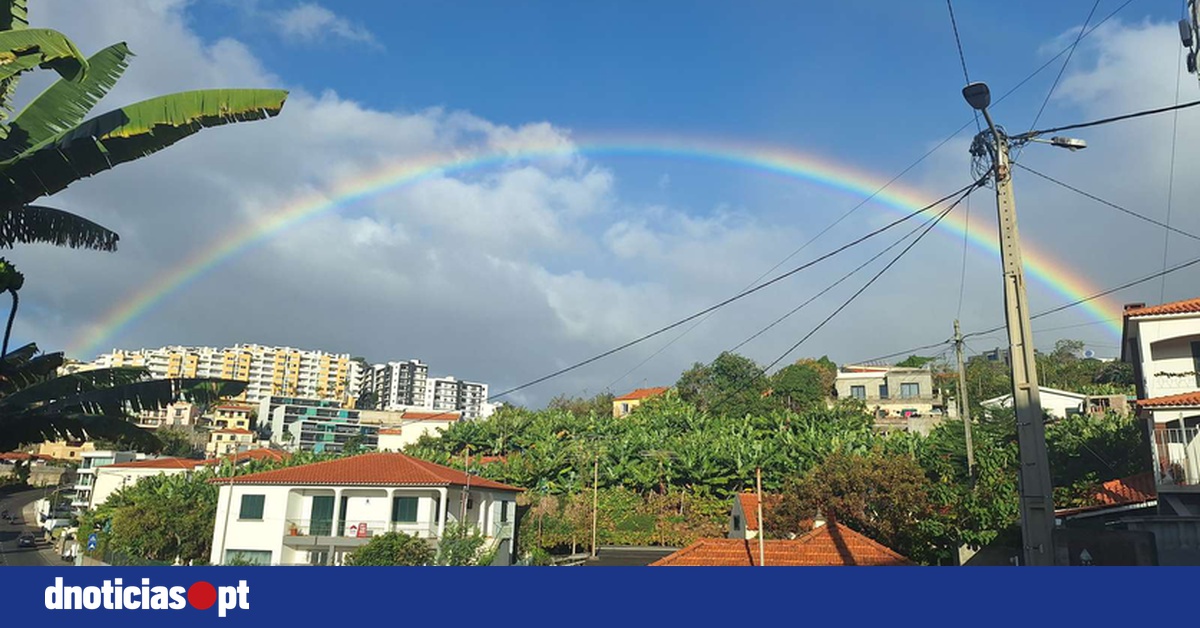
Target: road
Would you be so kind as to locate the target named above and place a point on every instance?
(20, 504)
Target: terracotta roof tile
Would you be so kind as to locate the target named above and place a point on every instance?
(391, 432)
(1135, 489)
(749, 503)
(448, 415)
(157, 463)
(831, 545)
(232, 430)
(1182, 399)
(643, 393)
(1187, 306)
(373, 469)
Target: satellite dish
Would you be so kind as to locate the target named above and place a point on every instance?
(1089, 354)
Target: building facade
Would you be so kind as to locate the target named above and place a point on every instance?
(1162, 342)
(229, 440)
(90, 462)
(626, 403)
(900, 397)
(178, 414)
(449, 394)
(397, 385)
(316, 514)
(267, 371)
(316, 425)
(412, 426)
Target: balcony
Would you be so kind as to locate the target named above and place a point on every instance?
(1177, 457)
(352, 529)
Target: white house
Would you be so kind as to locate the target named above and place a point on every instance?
(89, 463)
(1059, 404)
(413, 426)
(1163, 344)
(315, 514)
(115, 476)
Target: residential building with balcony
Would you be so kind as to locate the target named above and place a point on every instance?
(316, 425)
(449, 394)
(178, 414)
(316, 514)
(267, 371)
(397, 385)
(901, 397)
(232, 416)
(85, 476)
(1162, 342)
(66, 450)
(226, 441)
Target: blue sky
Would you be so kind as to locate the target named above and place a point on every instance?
(504, 275)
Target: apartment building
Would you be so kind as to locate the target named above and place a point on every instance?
(444, 394)
(268, 371)
(178, 414)
(89, 463)
(902, 398)
(397, 385)
(316, 425)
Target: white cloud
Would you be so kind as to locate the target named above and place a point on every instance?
(310, 22)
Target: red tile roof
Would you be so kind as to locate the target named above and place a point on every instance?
(262, 453)
(1187, 306)
(390, 432)
(830, 545)
(643, 393)
(1135, 489)
(448, 415)
(373, 469)
(158, 463)
(232, 430)
(749, 503)
(1182, 399)
(20, 455)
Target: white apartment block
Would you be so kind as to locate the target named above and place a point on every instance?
(446, 394)
(397, 385)
(268, 371)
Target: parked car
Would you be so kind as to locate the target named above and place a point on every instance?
(27, 540)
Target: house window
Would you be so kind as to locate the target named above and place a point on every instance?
(1196, 361)
(252, 508)
(910, 390)
(504, 512)
(858, 392)
(737, 522)
(253, 557)
(883, 391)
(404, 509)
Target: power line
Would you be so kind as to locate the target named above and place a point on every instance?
(962, 277)
(1171, 172)
(1121, 118)
(1063, 68)
(740, 295)
(1107, 203)
(898, 176)
(929, 226)
(962, 58)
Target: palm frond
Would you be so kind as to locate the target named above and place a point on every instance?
(13, 16)
(37, 369)
(28, 48)
(126, 134)
(65, 103)
(73, 384)
(30, 427)
(35, 223)
(148, 395)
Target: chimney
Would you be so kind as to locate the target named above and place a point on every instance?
(1134, 306)
(819, 520)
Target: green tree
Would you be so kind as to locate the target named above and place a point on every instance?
(915, 361)
(462, 545)
(798, 387)
(162, 518)
(731, 384)
(367, 401)
(392, 549)
(180, 442)
(599, 405)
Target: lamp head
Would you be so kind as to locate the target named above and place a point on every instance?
(978, 96)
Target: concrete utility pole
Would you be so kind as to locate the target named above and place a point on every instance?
(964, 409)
(1036, 487)
(595, 500)
(762, 529)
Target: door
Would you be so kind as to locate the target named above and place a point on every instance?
(341, 527)
(321, 516)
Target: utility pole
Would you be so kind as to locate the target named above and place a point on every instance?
(964, 410)
(762, 529)
(595, 500)
(1036, 487)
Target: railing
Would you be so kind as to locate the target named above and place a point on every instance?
(1177, 453)
(355, 528)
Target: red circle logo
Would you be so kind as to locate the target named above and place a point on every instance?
(202, 595)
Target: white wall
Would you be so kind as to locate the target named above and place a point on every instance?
(1059, 404)
(411, 433)
(1164, 346)
(108, 480)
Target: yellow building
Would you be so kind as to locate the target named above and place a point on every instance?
(625, 404)
(228, 441)
(233, 416)
(65, 450)
(268, 371)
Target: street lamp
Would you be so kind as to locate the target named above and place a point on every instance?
(1036, 487)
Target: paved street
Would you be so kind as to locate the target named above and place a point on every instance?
(20, 504)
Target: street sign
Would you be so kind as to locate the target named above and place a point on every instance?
(91, 544)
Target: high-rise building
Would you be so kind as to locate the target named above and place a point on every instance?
(316, 425)
(396, 385)
(268, 371)
(447, 393)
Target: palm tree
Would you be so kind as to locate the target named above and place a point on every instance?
(49, 145)
(37, 404)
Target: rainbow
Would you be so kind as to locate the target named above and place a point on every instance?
(1047, 271)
